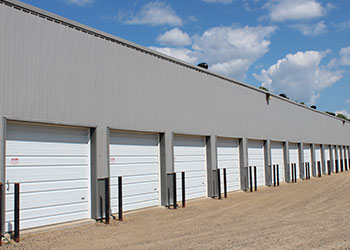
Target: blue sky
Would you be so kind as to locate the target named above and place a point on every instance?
(297, 47)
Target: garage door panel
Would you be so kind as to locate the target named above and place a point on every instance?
(256, 158)
(139, 205)
(327, 153)
(50, 199)
(25, 148)
(191, 182)
(48, 220)
(134, 151)
(193, 191)
(135, 157)
(189, 166)
(52, 165)
(45, 161)
(135, 202)
(190, 157)
(294, 157)
(228, 158)
(134, 169)
(307, 154)
(277, 158)
(134, 189)
(42, 212)
(51, 173)
(136, 179)
(317, 153)
(44, 186)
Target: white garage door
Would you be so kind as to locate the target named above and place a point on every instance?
(228, 157)
(52, 165)
(190, 157)
(339, 157)
(318, 157)
(134, 156)
(326, 157)
(277, 158)
(256, 158)
(294, 157)
(307, 157)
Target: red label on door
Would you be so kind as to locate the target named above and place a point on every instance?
(14, 161)
(113, 160)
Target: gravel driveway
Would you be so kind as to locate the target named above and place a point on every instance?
(311, 214)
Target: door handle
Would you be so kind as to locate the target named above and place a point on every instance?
(8, 185)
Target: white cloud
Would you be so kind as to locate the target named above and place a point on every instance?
(175, 37)
(344, 56)
(231, 51)
(343, 112)
(300, 76)
(311, 29)
(183, 54)
(282, 10)
(343, 25)
(81, 3)
(218, 1)
(153, 13)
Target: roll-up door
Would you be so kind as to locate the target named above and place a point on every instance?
(327, 157)
(228, 157)
(52, 165)
(277, 158)
(318, 157)
(134, 157)
(326, 153)
(307, 157)
(339, 157)
(334, 158)
(190, 157)
(294, 156)
(256, 158)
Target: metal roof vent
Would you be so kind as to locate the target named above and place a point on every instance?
(283, 95)
(203, 65)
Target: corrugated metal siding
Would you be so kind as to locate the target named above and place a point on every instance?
(54, 73)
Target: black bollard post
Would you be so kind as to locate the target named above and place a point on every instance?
(183, 189)
(255, 180)
(319, 169)
(274, 175)
(278, 174)
(225, 184)
(174, 191)
(292, 168)
(250, 179)
(107, 200)
(295, 173)
(16, 213)
(1, 219)
(120, 198)
(219, 183)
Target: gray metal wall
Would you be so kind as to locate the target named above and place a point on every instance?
(52, 72)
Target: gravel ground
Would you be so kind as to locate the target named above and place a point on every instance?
(311, 214)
